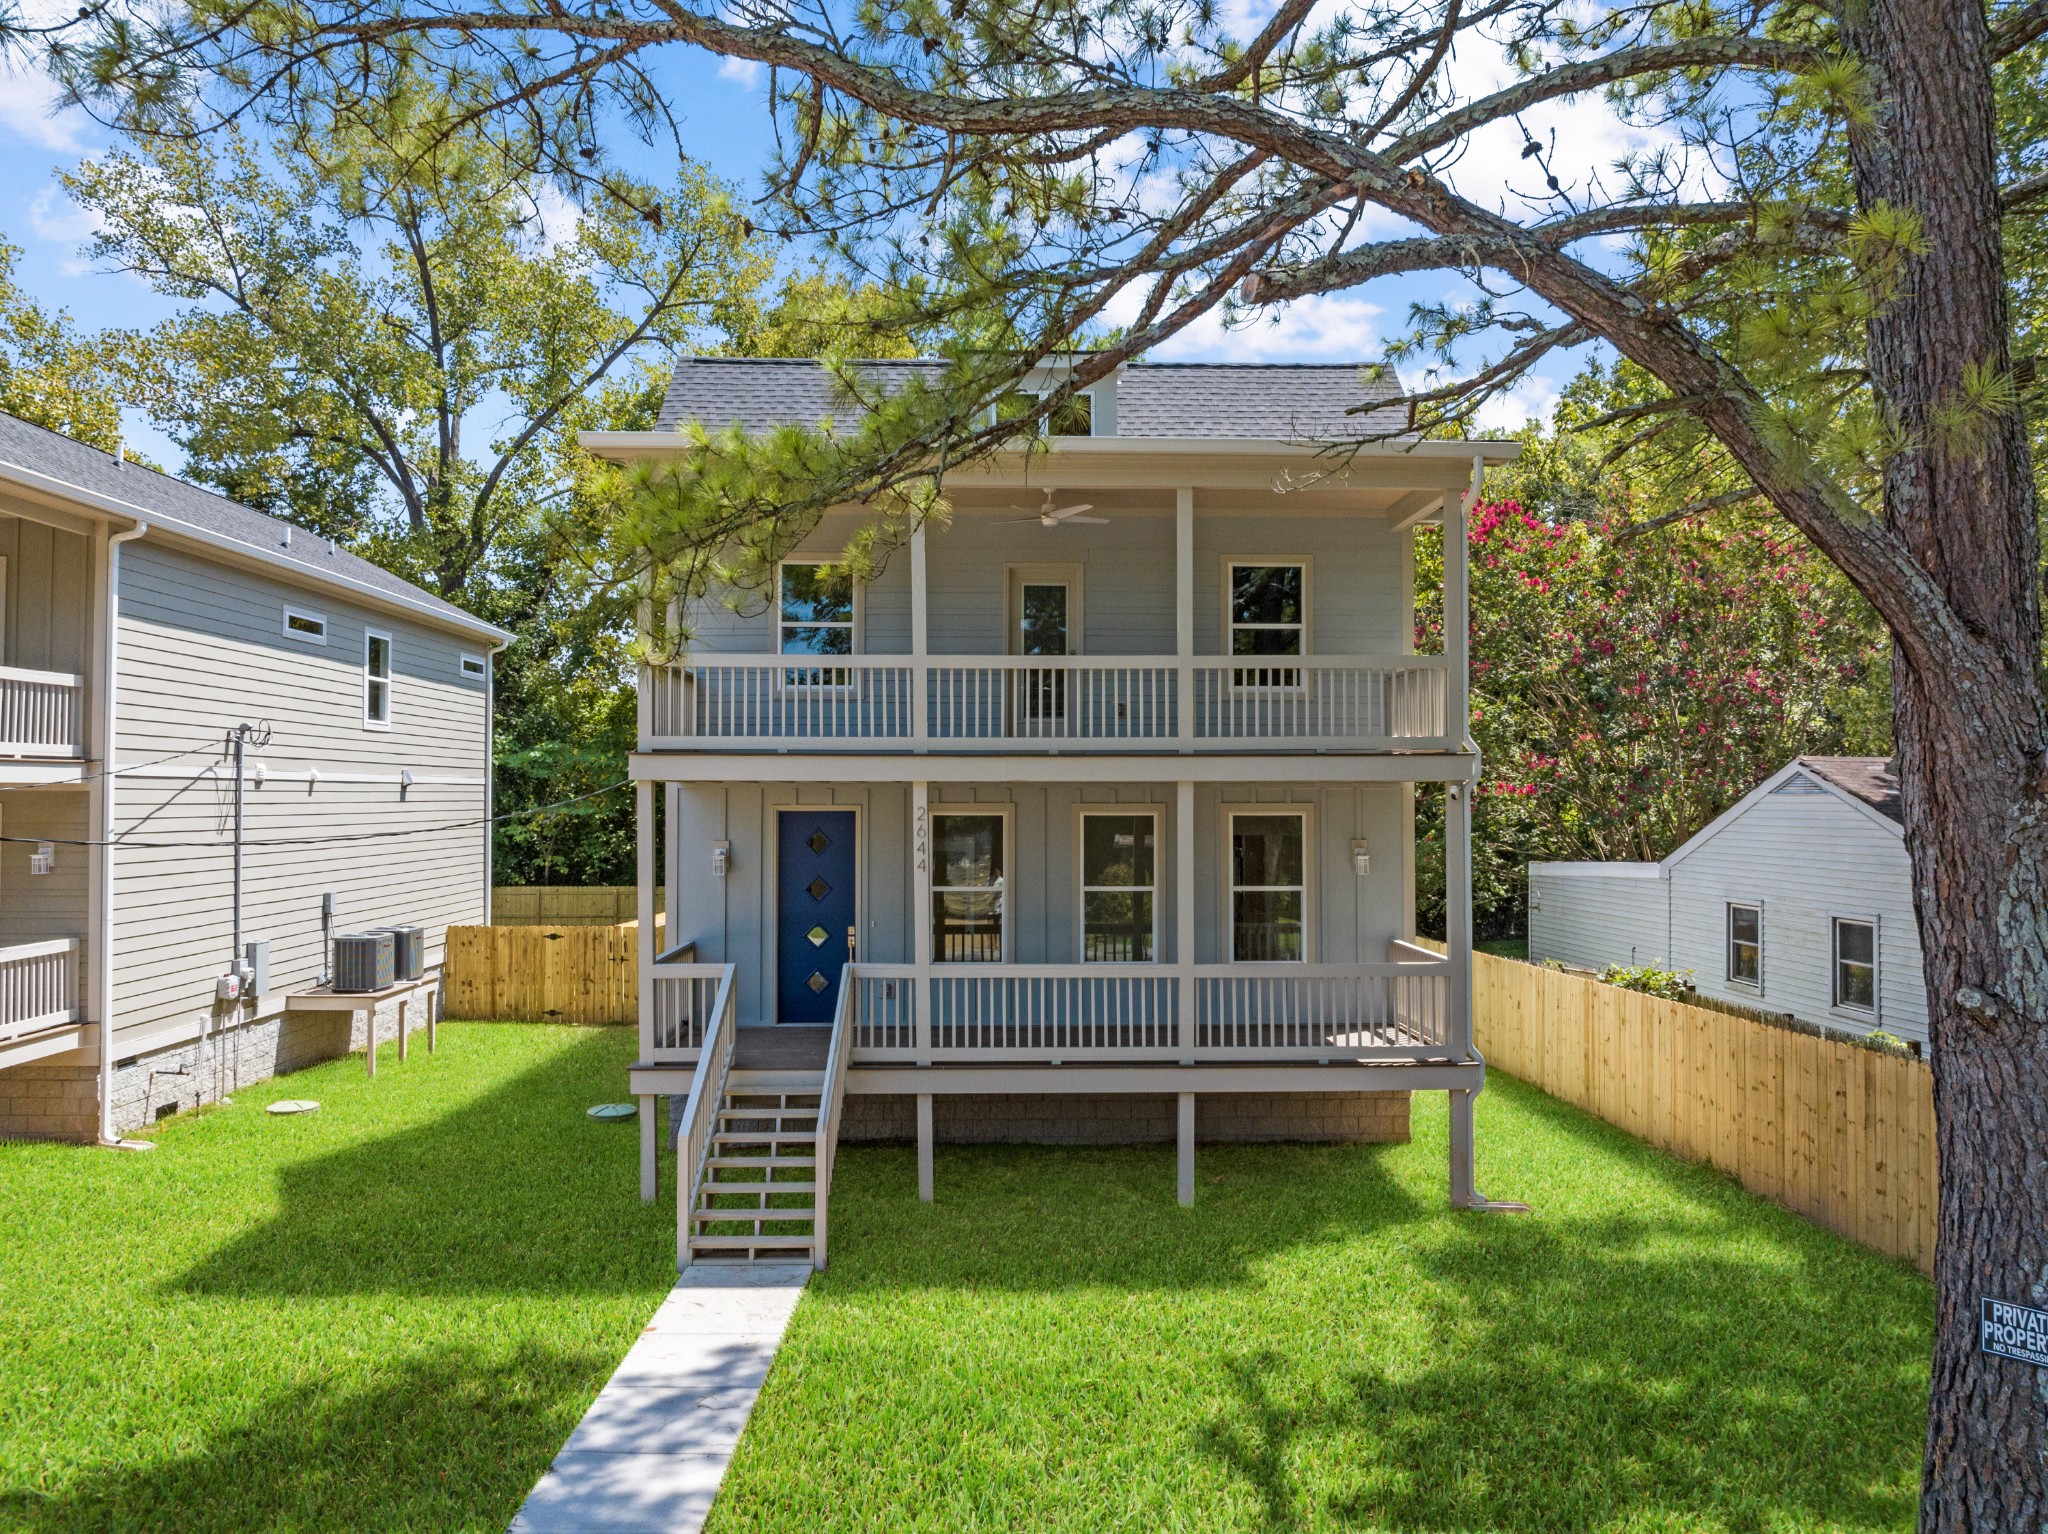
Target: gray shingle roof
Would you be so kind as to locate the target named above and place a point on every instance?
(173, 504)
(1154, 399)
(1868, 778)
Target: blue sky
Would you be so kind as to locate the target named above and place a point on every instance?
(725, 124)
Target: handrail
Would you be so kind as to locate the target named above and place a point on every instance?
(831, 1097)
(770, 660)
(41, 678)
(700, 1110)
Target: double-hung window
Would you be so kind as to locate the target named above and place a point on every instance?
(969, 856)
(376, 680)
(1119, 887)
(1268, 886)
(1745, 944)
(1855, 945)
(1268, 607)
(815, 616)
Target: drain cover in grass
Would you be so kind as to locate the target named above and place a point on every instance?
(612, 1111)
(294, 1105)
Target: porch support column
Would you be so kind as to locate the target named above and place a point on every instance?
(1184, 613)
(921, 917)
(1184, 914)
(643, 815)
(920, 644)
(924, 1147)
(1186, 1190)
(1458, 609)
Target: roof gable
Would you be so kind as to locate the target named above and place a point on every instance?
(1796, 778)
(56, 462)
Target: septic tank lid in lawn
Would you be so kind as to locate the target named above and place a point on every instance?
(294, 1105)
(614, 1111)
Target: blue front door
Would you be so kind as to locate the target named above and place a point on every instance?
(814, 911)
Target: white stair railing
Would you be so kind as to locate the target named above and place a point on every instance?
(831, 1097)
(699, 1120)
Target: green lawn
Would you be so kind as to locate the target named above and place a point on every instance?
(389, 1314)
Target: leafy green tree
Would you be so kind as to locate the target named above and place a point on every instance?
(49, 373)
(1811, 276)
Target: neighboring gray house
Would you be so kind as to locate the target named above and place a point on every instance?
(1798, 899)
(141, 620)
(1090, 816)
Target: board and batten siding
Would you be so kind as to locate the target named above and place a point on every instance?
(732, 920)
(47, 597)
(1593, 915)
(1359, 576)
(1807, 857)
(202, 648)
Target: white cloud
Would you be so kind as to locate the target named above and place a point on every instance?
(746, 72)
(1531, 399)
(57, 220)
(559, 217)
(29, 110)
(1327, 328)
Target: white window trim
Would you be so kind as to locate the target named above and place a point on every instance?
(1017, 577)
(1308, 879)
(482, 666)
(309, 615)
(1044, 428)
(1728, 905)
(1157, 815)
(1008, 815)
(1875, 1011)
(856, 628)
(1234, 562)
(389, 679)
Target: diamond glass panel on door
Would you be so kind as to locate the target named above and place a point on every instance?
(814, 888)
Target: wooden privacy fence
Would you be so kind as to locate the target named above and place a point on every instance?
(561, 905)
(545, 974)
(1838, 1133)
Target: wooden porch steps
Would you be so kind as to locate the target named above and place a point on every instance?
(758, 1200)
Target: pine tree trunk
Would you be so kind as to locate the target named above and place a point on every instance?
(1973, 750)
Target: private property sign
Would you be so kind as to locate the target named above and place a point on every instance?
(2014, 1331)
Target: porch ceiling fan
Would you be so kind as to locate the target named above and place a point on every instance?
(1050, 516)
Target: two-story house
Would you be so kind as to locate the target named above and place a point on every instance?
(142, 622)
(1089, 816)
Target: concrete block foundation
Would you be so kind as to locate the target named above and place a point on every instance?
(52, 1100)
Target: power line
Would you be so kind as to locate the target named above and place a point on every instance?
(320, 841)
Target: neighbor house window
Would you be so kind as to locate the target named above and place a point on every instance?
(306, 627)
(1855, 965)
(1745, 944)
(473, 666)
(1119, 880)
(1268, 885)
(968, 862)
(1268, 605)
(815, 617)
(376, 680)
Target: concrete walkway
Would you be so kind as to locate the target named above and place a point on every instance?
(649, 1454)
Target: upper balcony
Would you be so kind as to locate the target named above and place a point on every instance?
(1024, 703)
(47, 606)
(42, 715)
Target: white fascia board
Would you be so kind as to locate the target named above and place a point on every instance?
(174, 529)
(1070, 767)
(1600, 870)
(631, 446)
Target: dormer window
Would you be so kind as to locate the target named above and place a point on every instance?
(1072, 417)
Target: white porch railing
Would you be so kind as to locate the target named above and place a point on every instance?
(673, 1019)
(1321, 702)
(1012, 702)
(831, 1100)
(1133, 1012)
(42, 713)
(38, 986)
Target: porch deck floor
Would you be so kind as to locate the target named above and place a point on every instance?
(781, 1047)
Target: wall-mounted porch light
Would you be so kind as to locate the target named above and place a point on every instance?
(721, 858)
(1361, 857)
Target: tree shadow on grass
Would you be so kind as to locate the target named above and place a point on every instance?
(514, 1192)
(451, 1443)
